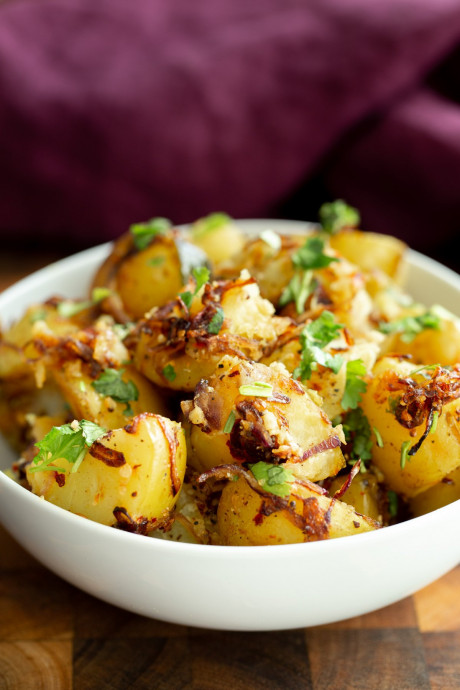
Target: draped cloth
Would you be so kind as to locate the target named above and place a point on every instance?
(114, 111)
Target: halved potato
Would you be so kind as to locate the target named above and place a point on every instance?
(130, 477)
(228, 422)
(248, 518)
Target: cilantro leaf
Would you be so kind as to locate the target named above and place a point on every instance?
(169, 372)
(336, 215)
(392, 503)
(208, 224)
(258, 389)
(143, 233)
(111, 384)
(313, 338)
(68, 442)
(68, 308)
(273, 478)
(354, 384)
(357, 432)
(311, 255)
(410, 326)
(201, 275)
(216, 322)
(298, 290)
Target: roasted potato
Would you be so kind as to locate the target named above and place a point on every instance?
(401, 399)
(228, 420)
(248, 516)
(130, 477)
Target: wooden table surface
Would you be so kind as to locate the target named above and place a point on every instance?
(54, 637)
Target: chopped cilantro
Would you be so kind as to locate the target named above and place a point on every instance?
(143, 233)
(410, 326)
(68, 308)
(354, 384)
(169, 372)
(201, 275)
(39, 315)
(392, 503)
(434, 422)
(378, 437)
(216, 322)
(230, 422)
(298, 290)
(258, 389)
(313, 338)
(68, 442)
(156, 261)
(210, 223)
(404, 453)
(111, 384)
(337, 215)
(311, 255)
(357, 432)
(123, 329)
(273, 478)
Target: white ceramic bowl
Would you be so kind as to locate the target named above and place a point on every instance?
(231, 588)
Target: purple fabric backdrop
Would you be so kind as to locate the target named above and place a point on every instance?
(115, 111)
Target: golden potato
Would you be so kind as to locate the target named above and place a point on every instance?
(440, 495)
(372, 251)
(130, 477)
(364, 494)
(248, 516)
(175, 346)
(217, 236)
(248, 412)
(398, 403)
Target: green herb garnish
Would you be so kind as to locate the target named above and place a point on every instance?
(354, 384)
(68, 308)
(230, 422)
(39, 315)
(404, 453)
(298, 290)
(357, 432)
(110, 384)
(313, 338)
(336, 215)
(169, 372)
(143, 233)
(258, 389)
(410, 326)
(434, 422)
(156, 261)
(392, 503)
(201, 275)
(273, 478)
(208, 224)
(378, 437)
(216, 322)
(68, 442)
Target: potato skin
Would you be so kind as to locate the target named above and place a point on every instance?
(286, 427)
(137, 494)
(245, 518)
(445, 492)
(440, 452)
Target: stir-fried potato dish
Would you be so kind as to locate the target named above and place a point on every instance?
(216, 388)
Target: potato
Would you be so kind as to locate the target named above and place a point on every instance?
(439, 453)
(363, 494)
(130, 477)
(285, 427)
(440, 495)
(271, 266)
(247, 518)
(176, 347)
(217, 236)
(371, 251)
(440, 345)
(146, 278)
